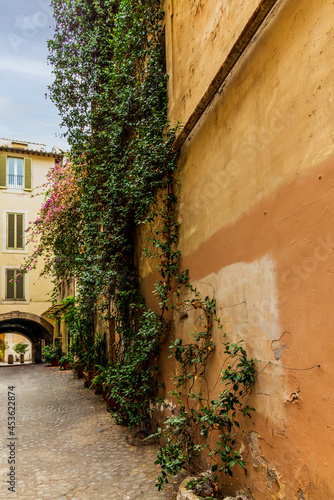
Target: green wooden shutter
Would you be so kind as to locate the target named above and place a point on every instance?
(27, 174)
(10, 286)
(3, 172)
(19, 231)
(19, 286)
(10, 230)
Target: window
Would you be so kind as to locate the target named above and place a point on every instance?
(15, 231)
(14, 285)
(15, 225)
(15, 173)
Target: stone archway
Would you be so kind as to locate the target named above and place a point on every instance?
(31, 326)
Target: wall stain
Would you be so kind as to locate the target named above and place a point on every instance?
(275, 485)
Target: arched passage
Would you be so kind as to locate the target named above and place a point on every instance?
(31, 326)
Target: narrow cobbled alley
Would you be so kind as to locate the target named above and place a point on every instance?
(67, 446)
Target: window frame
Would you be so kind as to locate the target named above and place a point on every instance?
(4, 300)
(15, 158)
(15, 231)
(27, 173)
(15, 298)
(23, 250)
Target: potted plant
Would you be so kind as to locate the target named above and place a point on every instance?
(21, 348)
(99, 382)
(94, 355)
(52, 354)
(89, 360)
(79, 369)
(66, 363)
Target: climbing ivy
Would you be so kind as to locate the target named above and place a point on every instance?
(110, 89)
(201, 424)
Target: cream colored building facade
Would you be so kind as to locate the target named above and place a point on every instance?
(23, 299)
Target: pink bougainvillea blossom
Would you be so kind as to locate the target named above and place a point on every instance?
(56, 232)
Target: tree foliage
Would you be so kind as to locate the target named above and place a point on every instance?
(21, 348)
(110, 89)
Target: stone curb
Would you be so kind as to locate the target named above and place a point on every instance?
(5, 365)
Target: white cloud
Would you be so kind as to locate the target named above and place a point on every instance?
(5, 103)
(25, 75)
(29, 67)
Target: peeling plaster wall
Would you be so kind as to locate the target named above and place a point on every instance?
(256, 207)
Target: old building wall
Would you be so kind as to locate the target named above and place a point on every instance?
(256, 209)
(197, 28)
(20, 201)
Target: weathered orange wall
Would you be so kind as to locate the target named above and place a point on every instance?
(195, 29)
(257, 222)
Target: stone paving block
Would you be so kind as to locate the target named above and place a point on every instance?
(67, 446)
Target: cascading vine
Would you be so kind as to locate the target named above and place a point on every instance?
(110, 83)
(110, 88)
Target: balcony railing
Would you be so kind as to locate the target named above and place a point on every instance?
(15, 181)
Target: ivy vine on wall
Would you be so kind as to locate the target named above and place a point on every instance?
(108, 59)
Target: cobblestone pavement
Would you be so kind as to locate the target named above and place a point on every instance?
(67, 446)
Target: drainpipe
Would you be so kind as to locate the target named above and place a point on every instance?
(250, 30)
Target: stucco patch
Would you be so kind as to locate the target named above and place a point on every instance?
(247, 299)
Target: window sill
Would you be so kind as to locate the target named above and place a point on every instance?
(16, 250)
(15, 191)
(14, 302)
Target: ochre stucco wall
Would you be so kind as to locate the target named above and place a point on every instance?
(195, 29)
(256, 208)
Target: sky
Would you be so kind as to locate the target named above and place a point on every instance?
(26, 114)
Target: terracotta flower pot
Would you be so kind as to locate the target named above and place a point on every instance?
(105, 392)
(79, 369)
(91, 375)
